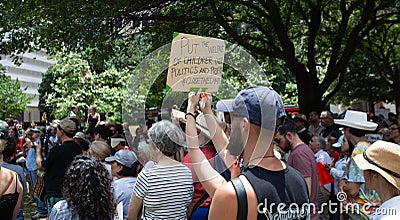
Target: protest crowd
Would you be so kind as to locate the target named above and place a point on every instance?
(255, 162)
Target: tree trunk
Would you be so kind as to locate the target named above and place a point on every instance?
(310, 98)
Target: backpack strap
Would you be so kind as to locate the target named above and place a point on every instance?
(198, 203)
(241, 197)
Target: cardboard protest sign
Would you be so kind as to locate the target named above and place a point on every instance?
(195, 63)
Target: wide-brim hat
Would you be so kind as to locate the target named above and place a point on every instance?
(201, 124)
(358, 120)
(382, 157)
(301, 117)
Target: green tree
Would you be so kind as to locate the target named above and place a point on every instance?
(66, 83)
(314, 39)
(13, 99)
(374, 69)
(383, 48)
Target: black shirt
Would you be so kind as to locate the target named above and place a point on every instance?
(286, 189)
(332, 130)
(304, 136)
(56, 164)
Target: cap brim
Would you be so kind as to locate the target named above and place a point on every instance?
(110, 159)
(336, 145)
(200, 122)
(367, 126)
(116, 141)
(365, 165)
(225, 105)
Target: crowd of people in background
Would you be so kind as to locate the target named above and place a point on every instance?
(196, 165)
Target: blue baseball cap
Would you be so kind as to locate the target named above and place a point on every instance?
(261, 105)
(124, 157)
(339, 143)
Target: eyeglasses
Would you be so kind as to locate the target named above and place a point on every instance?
(277, 140)
(393, 129)
(323, 117)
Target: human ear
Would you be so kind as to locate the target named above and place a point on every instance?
(245, 123)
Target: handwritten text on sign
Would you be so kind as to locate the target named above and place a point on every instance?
(195, 62)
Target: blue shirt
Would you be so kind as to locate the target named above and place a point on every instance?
(123, 189)
(339, 169)
(31, 159)
(54, 140)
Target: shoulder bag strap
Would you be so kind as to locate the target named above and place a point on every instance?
(241, 197)
(198, 203)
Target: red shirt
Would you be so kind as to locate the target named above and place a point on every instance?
(199, 191)
(335, 156)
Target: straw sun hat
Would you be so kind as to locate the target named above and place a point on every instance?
(384, 158)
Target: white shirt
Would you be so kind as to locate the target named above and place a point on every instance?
(389, 210)
(323, 156)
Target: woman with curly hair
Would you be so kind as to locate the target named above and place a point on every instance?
(87, 191)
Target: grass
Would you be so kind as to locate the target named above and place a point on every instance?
(28, 209)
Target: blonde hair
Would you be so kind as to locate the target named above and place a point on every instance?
(100, 150)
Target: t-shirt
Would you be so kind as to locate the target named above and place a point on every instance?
(123, 189)
(56, 164)
(166, 191)
(303, 160)
(323, 156)
(31, 159)
(389, 210)
(285, 189)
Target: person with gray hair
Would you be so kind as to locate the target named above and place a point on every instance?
(317, 145)
(166, 189)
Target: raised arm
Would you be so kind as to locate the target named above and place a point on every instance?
(209, 178)
(219, 138)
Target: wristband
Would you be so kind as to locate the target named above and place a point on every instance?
(191, 114)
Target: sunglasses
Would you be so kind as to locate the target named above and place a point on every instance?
(277, 140)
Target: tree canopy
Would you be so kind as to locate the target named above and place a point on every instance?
(315, 40)
(13, 99)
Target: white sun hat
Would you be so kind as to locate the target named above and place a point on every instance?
(358, 120)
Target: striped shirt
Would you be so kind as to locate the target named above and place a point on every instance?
(166, 191)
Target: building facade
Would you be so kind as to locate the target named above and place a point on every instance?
(29, 73)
